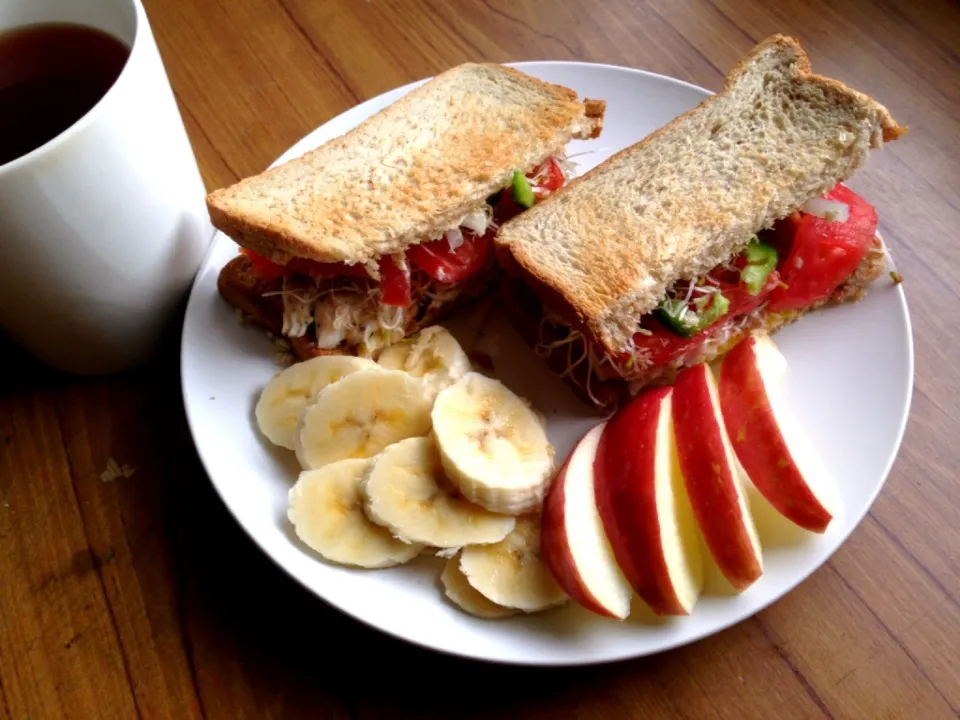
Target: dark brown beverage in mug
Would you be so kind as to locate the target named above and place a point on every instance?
(51, 75)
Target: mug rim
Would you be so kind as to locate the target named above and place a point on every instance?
(139, 18)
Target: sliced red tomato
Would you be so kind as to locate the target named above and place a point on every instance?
(781, 235)
(506, 207)
(816, 256)
(395, 282)
(547, 177)
(823, 254)
(661, 345)
(742, 302)
(444, 265)
(317, 269)
(301, 266)
(261, 266)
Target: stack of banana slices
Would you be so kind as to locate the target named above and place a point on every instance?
(418, 454)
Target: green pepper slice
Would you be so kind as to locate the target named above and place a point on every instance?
(761, 261)
(522, 192)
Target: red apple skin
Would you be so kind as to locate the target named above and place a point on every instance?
(709, 479)
(555, 546)
(759, 444)
(624, 486)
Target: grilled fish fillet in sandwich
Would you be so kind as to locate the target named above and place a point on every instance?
(380, 232)
(730, 218)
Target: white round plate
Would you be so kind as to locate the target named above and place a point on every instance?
(849, 380)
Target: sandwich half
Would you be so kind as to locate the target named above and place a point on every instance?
(730, 218)
(387, 228)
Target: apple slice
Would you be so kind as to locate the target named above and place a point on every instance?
(713, 478)
(772, 447)
(644, 508)
(574, 545)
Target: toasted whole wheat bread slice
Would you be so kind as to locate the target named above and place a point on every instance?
(602, 251)
(411, 171)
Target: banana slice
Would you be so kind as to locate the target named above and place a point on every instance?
(360, 415)
(291, 390)
(432, 354)
(405, 491)
(466, 597)
(326, 509)
(492, 445)
(510, 573)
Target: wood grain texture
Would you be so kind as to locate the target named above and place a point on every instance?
(141, 597)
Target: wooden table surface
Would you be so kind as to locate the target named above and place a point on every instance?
(140, 596)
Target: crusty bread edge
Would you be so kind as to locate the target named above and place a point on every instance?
(890, 128)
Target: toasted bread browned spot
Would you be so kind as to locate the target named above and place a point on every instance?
(410, 171)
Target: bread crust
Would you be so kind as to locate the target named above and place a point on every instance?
(407, 173)
(692, 193)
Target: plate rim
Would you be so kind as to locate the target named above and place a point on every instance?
(195, 298)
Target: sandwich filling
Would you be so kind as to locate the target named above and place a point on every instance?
(361, 308)
(802, 262)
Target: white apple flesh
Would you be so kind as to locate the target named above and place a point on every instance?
(573, 543)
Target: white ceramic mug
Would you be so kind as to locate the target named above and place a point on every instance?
(103, 227)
